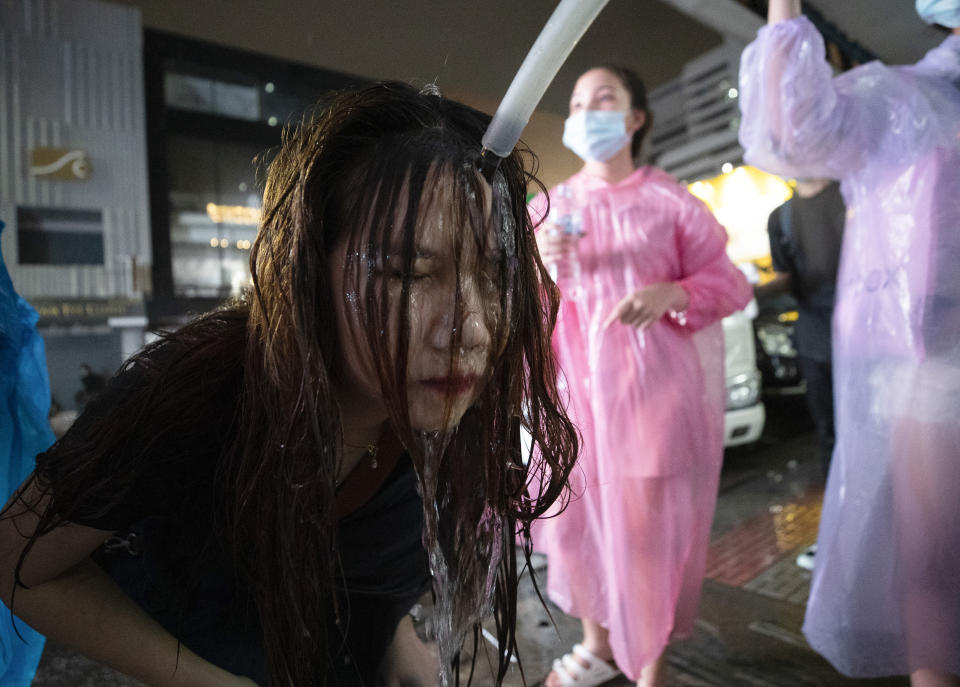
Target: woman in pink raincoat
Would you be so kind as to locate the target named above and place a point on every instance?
(885, 597)
(641, 351)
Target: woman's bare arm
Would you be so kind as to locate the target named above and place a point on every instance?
(781, 10)
(408, 661)
(777, 11)
(69, 598)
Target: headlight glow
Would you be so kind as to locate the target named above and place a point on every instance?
(743, 390)
(776, 340)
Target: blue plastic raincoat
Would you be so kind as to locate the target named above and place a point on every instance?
(24, 432)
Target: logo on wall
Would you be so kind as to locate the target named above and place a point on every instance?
(60, 163)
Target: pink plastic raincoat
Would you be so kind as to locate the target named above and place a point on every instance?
(886, 589)
(629, 551)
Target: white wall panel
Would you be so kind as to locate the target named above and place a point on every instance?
(71, 76)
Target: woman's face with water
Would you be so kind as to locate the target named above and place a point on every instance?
(451, 349)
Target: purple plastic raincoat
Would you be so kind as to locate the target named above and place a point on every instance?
(629, 552)
(886, 590)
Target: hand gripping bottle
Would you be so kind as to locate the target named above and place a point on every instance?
(566, 219)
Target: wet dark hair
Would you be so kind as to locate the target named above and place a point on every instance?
(359, 170)
(638, 99)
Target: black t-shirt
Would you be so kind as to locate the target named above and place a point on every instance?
(941, 303)
(806, 244)
(180, 570)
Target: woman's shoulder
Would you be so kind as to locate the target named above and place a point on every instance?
(211, 345)
(586, 186)
(199, 366)
(218, 336)
(150, 441)
(158, 426)
(659, 189)
(172, 385)
(651, 176)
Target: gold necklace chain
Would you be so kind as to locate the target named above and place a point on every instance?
(371, 453)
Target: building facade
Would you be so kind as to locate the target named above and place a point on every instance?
(73, 179)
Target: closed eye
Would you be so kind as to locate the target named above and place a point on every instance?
(414, 276)
(421, 269)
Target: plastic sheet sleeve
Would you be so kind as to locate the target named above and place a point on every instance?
(714, 285)
(795, 120)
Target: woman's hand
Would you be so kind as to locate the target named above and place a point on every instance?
(408, 661)
(555, 244)
(644, 307)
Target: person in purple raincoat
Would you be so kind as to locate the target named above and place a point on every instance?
(885, 597)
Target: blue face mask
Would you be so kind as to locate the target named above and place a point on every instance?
(596, 135)
(943, 12)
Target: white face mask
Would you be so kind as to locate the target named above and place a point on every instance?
(596, 135)
(943, 12)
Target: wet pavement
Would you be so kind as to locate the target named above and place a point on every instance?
(748, 632)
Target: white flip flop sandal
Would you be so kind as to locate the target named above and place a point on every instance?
(573, 674)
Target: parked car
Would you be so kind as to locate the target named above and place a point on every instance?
(745, 414)
(776, 352)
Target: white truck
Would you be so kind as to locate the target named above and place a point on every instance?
(744, 416)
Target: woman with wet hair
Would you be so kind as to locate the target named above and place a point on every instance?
(242, 504)
(640, 346)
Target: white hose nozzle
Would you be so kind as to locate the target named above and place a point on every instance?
(562, 31)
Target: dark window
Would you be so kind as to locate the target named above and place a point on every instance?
(59, 236)
(214, 118)
(214, 208)
(212, 96)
